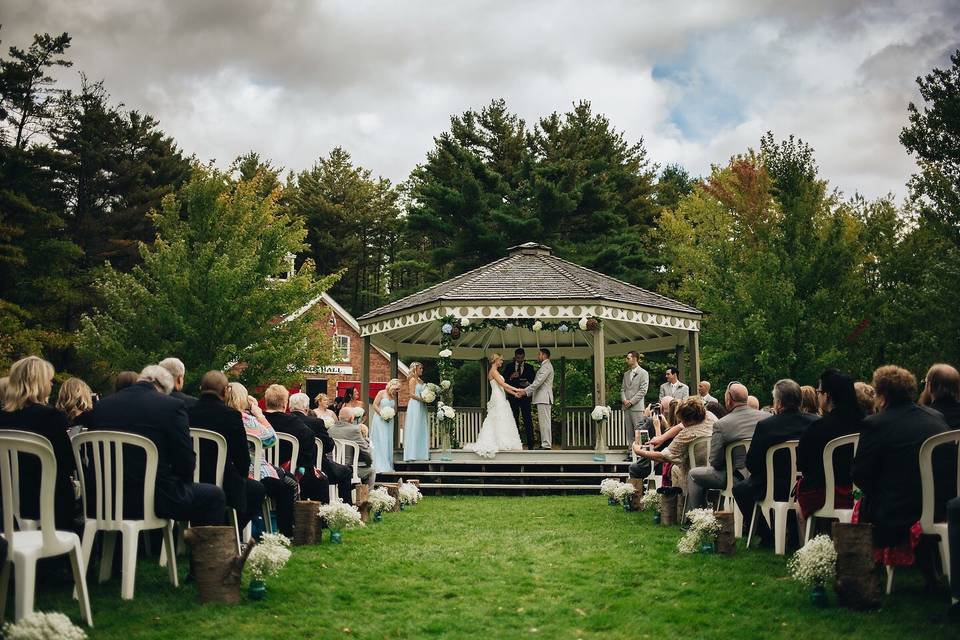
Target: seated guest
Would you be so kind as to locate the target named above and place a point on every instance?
(75, 400)
(887, 467)
(866, 398)
(125, 379)
(337, 473)
(280, 486)
(953, 535)
(738, 424)
(4, 383)
(25, 408)
(942, 392)
(842, 416)
(313, 482)
(695, 423)
(658, 428)
(810, 403)
(177, 369)
(716, 409)
(787, 423)
(146, 409)
(212, 413)
(753, 402)
(351, 433)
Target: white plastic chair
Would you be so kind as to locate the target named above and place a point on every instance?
(258, 459)
(829, 510)
(340, 447)
(24, 524)
(726, 494)
(780, 509)
(334, 493)
(692, 459)
(105, 453)
(24, 548)
(196, 436)
(273, 453)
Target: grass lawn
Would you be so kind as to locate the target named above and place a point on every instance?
(492, 567)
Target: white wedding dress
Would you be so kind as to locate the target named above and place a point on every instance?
(499, 430)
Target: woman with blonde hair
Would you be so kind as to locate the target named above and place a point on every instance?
(383, 412)
(323, 410)
(809, 402)
(416, 435)
(499, 430)
(74, 400)
(25, 408)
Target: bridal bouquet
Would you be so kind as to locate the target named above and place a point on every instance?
(409, 493)
(43, 626)
(704, 526)
(387, 413)
(380, 500)
(815, 563)
(430, 392)
(328, 421)
(269, 556)
(339, 516)
(358, 413)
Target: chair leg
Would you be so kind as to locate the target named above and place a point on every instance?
(80, 579)
(168, 547)
(267, 524)
(236, 528)
(737, 520)
(128, 580)
(106, 561)
(753, 523)
(4, 585)
(889, 580)
(780, 529)
(806, 537)
(945, 558)
(25, 574)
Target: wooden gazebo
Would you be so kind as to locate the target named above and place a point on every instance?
(531, 283)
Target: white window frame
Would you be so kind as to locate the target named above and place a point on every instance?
(341, 345)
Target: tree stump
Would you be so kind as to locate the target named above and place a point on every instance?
(365, 512)
(668, 509)
(638, 485)
(725, 543)
(305, 522)
(859, 581)
(393, 489)
(363, 493)
(415, 483)
(216, 566)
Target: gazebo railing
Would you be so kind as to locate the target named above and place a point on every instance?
(577, 428)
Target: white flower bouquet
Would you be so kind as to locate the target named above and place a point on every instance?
(464, 322)
(269, 556)
(446, 353)
(650, 500)
(583, 323)
(445, 412)
(815, 563)
(328, 421)
(409, 493)
(380, 500)
(601, 413)
(444, 384)
(339, 516)
(428, 395)
(43, 626)
(704, 526)
(358, 412)
(607, 486)
(537, 326)
(387, 413)
(623, 493)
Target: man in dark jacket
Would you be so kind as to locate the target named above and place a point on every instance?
(338, 473)
(788, 423)
(887, 465)
(145, 409)
(212, 413)
(313, 482)
(520, 374)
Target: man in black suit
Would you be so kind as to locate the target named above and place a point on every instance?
(313, 482)
(145, 409)
(520, 374)
(338, 473)
(887, 465)
(178, 370)
(788, 423)
(212, 413)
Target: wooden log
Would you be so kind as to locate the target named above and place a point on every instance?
(638, 484)
(305, 522)
(668, 509)
(215, 563)
(725, 543)
(365, 512)
(363, 493)
(859, 581)
(393, 489)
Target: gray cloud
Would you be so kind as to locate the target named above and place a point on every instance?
(698, 81)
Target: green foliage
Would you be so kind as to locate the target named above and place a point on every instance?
(204, 291)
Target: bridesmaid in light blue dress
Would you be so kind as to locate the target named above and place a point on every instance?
(381, 431)
(416, 435)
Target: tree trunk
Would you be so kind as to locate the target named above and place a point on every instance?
(216, 566)
(859, 582)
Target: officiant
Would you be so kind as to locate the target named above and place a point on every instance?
(520, 374)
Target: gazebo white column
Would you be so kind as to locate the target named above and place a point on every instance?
(365, 378)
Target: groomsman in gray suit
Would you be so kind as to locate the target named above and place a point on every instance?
(634, 388)
(541, 392)
(673, 387)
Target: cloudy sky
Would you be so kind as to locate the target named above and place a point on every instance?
(698, 81)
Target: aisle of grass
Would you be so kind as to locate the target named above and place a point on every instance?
(472, 567)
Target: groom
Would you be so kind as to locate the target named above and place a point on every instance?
(541, 391)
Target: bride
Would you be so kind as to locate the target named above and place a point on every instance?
(499, 431)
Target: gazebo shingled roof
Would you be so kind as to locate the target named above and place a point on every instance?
(532, 271)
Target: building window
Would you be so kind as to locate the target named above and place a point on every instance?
(341, 348)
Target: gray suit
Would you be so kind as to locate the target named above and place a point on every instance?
(681, 392)
(541, 392)
(739, 424)
(351, 433)
(634, 388)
